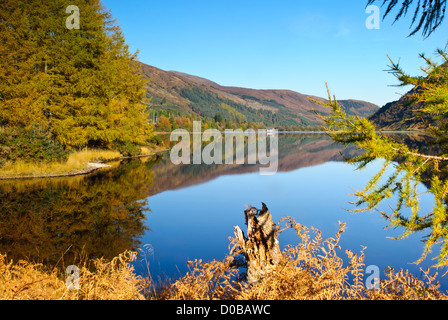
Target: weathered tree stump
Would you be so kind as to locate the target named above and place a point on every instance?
(260, 248)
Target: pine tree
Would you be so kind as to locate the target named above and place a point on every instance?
(82, 85)
(409, 167)
(428, 14)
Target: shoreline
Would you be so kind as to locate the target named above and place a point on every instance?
(94, 166)
(91, 167)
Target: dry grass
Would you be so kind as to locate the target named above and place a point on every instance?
(146, 150)
(98, 280)
(76, 162)
(310, 270)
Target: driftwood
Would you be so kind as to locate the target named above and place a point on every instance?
(260, 248)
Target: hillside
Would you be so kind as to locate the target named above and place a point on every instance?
(400, 115)
(178, 93)
(404, 114)
(285, 98)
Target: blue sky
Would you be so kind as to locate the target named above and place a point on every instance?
(283, 44)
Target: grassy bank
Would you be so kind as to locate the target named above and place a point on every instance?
(77, 162)
(310, 270)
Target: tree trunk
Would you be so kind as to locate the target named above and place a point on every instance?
(261, 248)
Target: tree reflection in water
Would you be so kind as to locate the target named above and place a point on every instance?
(104, 214)
(99, 215)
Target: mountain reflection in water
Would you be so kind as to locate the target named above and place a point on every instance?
(182, 211)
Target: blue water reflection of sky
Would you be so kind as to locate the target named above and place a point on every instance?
(196, 222)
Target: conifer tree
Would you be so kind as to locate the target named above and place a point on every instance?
(82, 86)
(404, 168)
(428, 14)
(409, 167)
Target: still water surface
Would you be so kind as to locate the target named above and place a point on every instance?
(173, 214)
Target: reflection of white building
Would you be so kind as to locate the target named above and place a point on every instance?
(270, 132)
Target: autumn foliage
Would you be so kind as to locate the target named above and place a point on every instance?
(312, 269)
(82, 87)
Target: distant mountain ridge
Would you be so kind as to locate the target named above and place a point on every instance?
(401, 114)
(183, 93)
(405, 113)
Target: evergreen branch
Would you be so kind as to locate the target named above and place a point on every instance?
(420, 155)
